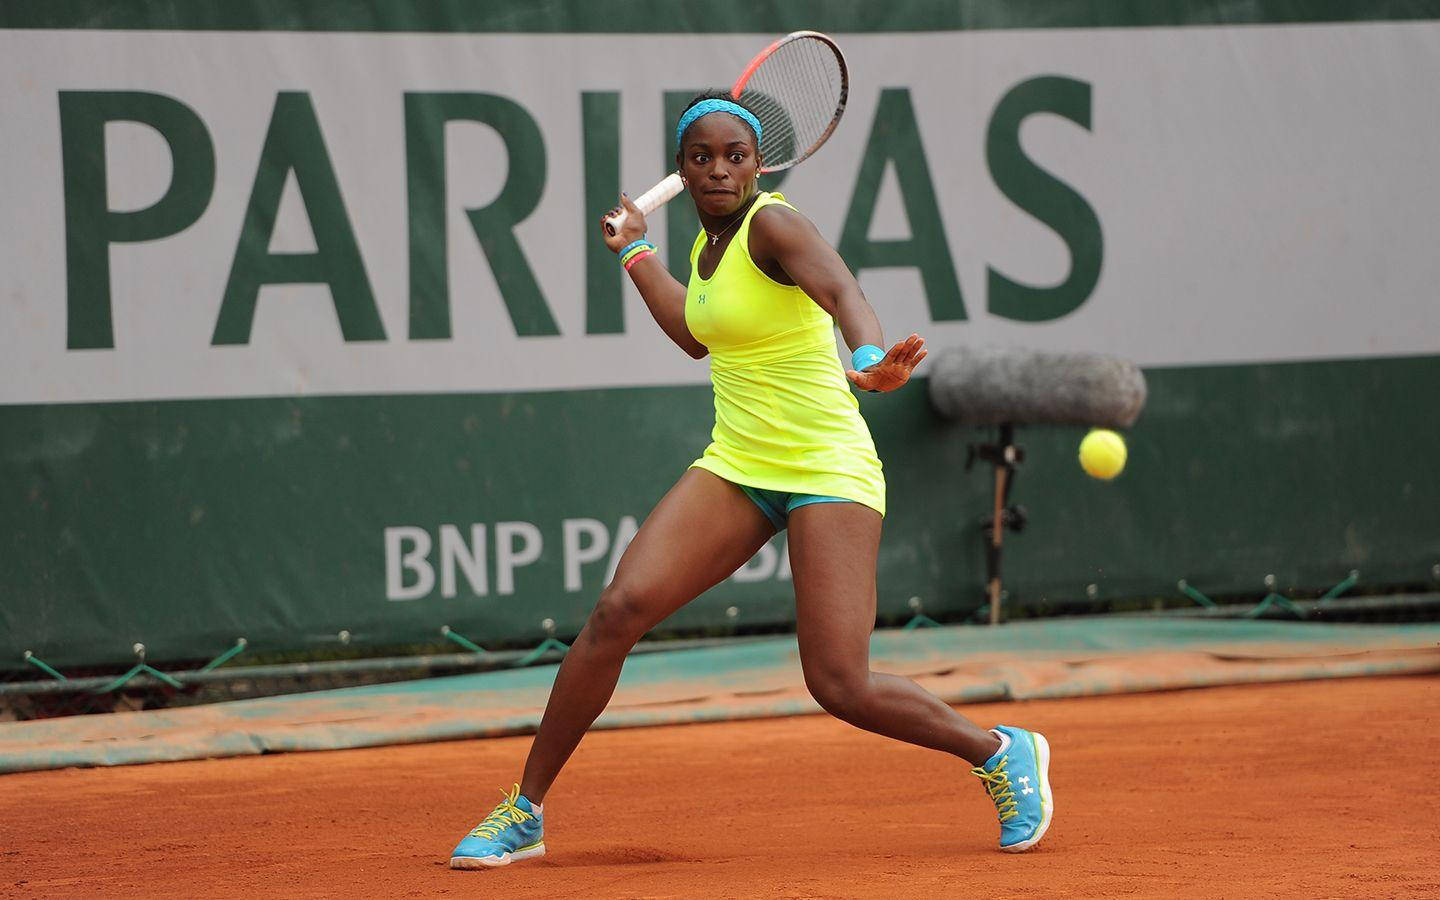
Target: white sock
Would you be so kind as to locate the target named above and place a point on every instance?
(1004, 741)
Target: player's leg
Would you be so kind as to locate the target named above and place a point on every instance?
(701, 531)
(833, 548)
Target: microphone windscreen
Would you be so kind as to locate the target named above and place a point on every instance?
(995, 386)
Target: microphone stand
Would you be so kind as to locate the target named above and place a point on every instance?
(1006, 456)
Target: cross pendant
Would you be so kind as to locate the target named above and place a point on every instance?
(714, 239)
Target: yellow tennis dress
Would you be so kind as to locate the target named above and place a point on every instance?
(785, 419)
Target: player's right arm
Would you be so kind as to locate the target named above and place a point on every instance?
(664, 296)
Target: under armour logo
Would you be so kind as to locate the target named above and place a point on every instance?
(1025, 782)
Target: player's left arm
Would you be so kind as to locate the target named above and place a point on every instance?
(787, 247)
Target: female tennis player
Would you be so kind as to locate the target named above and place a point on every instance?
(789, 449)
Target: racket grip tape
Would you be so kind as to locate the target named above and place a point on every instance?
(648, 202)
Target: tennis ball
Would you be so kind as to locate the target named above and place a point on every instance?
(1102, 454)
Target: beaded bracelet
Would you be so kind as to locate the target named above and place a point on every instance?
(636, 249)
(630, 254)
(644, 252)
(638, 242)
(627, 258)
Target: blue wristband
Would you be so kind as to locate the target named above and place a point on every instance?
(632, 245)
(865, 357)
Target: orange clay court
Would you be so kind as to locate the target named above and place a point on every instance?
(1309, 789)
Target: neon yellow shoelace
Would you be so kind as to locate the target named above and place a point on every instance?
(1001, 791)
(504, 815)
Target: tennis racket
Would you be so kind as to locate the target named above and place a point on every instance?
(797, 88)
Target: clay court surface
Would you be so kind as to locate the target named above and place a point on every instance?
(1314, 789)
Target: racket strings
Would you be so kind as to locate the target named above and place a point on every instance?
(797, 93)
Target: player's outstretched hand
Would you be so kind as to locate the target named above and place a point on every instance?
(633, 228)
(892, 371)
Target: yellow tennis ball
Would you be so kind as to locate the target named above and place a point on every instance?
(1102, 454)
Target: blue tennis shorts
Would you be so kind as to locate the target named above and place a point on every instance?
(777, 505)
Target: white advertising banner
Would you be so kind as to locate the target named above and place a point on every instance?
(1263, 193)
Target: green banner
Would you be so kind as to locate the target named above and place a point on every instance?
(184, 525)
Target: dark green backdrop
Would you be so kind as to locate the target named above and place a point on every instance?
(184, 525)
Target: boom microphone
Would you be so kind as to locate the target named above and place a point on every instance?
(1010, 386)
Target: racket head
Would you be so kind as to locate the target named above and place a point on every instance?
(797, 87)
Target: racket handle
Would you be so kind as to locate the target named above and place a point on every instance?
(648, 202)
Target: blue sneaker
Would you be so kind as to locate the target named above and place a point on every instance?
(1017, 778)
(512, 832)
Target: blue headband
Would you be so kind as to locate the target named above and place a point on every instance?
(706, 107)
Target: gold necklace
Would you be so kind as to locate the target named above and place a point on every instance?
(715, 238)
